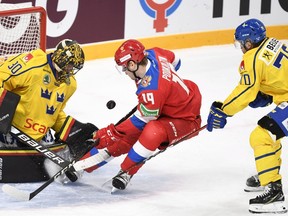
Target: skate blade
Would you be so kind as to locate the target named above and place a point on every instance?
(254, 189)
(276, 207)
(114, 190)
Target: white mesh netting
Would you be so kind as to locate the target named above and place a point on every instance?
(19, 33)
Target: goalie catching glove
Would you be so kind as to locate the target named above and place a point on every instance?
(75, 134)
(216, 118)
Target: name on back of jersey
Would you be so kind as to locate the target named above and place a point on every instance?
(269, 52)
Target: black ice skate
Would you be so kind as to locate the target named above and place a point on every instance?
(271, 201)
(120, 182)
(253, 184)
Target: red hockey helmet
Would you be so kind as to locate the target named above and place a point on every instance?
(130, 50)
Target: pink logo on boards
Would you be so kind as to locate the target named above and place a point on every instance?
(160, 12)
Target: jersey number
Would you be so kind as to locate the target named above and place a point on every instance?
(148, 97)
(283, 53)
(15, 67)
(176, 79)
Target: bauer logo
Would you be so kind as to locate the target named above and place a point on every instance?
(160, 12)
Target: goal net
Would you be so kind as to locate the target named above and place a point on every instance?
(22, 29)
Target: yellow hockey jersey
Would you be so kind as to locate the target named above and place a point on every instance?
(31, 75)
(264, 69)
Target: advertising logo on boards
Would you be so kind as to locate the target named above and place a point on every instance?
(160, 12)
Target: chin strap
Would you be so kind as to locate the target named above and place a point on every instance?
(134, 72)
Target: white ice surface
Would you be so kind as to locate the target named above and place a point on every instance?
(203, 176)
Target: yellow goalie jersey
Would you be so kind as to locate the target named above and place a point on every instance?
(43, 99)
(264, 69)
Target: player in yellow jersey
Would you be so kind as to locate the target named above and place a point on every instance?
(263, 72)
(34, 90)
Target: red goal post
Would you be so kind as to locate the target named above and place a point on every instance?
(21, 30)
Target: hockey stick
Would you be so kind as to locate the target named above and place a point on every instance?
(161, 151)
(24, 138)
(26, 196)
(127, 115)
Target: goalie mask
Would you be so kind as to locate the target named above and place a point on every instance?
(68, 59)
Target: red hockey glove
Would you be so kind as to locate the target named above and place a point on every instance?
(108, 136)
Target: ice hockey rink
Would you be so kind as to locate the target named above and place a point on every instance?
(202, 176)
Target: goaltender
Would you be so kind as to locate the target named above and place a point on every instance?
(34, 90)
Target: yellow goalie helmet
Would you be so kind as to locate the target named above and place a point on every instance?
(68, 59)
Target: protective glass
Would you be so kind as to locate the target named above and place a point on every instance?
(238, 44)
(124, 68)
(121, 68)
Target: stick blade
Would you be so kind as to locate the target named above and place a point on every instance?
(107, 186)
(16, 193)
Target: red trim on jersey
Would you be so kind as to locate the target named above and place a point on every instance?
(2, 96)
(69, 129)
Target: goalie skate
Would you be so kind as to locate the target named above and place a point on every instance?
(253, 184)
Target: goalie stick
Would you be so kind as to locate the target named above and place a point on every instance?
(26, 196)
(25, 139)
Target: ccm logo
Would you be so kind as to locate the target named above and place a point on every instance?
(35, 126)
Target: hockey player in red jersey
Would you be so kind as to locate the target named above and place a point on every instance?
(168, 109)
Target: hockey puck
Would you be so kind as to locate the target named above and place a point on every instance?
(111, 104)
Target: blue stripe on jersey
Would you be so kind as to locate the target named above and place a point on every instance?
(137, 122)
(49, 59)
(178, 65)
(134, 156)
(153, 73)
